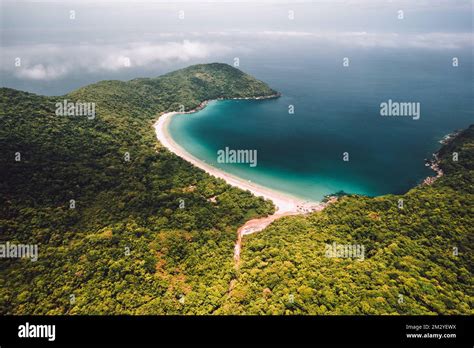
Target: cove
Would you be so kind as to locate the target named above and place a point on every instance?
(336, 111)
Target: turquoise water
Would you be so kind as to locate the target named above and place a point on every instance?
(337, 110)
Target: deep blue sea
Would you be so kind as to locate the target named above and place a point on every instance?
(337, 110)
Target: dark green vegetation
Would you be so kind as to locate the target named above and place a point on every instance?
(136, 204)
(122, 206)
(410, 265)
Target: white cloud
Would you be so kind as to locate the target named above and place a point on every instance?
(431, 40)
(48, 62)
(41, 72)
(435, 41)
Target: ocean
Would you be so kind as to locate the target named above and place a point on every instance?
(336, 139)
(336, 107)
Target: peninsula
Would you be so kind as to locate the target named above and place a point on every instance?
(128, 227)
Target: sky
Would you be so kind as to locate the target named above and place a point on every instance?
(53, 47)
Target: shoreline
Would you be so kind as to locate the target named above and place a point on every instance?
(284, 203)
(434, 162)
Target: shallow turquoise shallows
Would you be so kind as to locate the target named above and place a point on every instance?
(337, 110)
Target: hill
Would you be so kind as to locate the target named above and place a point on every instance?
(125, 227)
(143, 232)
(418, 257)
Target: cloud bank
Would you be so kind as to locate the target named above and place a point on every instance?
(435, 41)
(48, 62)
(53, 61)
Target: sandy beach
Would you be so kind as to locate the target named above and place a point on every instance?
(284, 203)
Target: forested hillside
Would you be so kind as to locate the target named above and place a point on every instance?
(143, 232)
(418, 258)
(151, 234)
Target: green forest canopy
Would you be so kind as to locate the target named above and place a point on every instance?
(130, 247)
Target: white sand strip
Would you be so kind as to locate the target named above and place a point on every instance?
(284, 203)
